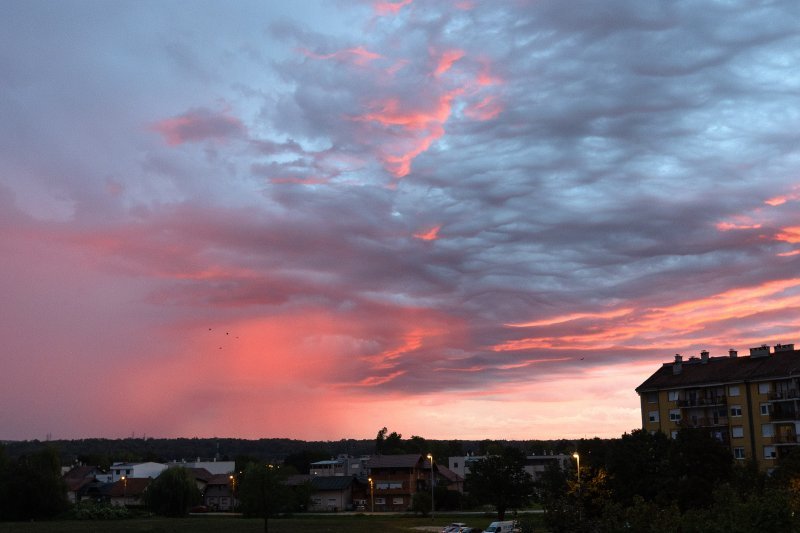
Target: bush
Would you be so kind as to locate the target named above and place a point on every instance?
(89, 510)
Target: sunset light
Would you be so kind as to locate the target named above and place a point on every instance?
(455, 219)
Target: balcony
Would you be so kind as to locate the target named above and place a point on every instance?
(716, 401)
(785, 439)
(704, 422)
(783, 413)
(791, 394)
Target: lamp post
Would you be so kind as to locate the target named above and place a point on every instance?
(371, 496)
(433, 507)
(124, 491)
(233, 492)
(577, 457)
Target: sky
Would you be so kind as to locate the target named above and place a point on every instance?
(458, 219)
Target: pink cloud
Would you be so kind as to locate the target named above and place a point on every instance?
(487, 109)
(197, 125)
(390, 8)
(429, 235)
(446, 61)
(359, 55)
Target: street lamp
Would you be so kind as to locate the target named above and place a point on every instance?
(371, 496)
(124, 490)
(577, 457)
(433, 507)
(233, 492)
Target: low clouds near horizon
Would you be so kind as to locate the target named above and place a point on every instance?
(455, 219)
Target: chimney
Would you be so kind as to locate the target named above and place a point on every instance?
(704, 356)
(784, 348)
(733, 353)
(677, 366)
(761, 351)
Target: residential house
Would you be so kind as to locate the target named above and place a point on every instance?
(201, 477)
(129, 492)
(750, 404)
(212, 465)
(535, 465)
(334, 493)
(394, 479)
(219, 493)
(136, 470)
(78, 480)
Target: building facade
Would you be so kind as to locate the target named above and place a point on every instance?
(751, 404)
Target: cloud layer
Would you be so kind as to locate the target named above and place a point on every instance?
(456, 219)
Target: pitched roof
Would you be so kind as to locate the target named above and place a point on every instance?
(395, 461)
(219, 479)
(201, 474)
(695, 372)
(81, 471)
(448, 474)
(132, 486)
(331, 482)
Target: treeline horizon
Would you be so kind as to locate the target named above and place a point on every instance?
(105, 451)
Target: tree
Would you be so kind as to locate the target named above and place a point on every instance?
(33, 486)
(388, 444)
(501, 480)
(700, 463)
(262, 492)
(172, 493)
(638, 465)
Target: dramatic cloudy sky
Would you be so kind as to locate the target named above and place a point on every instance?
(454, 218)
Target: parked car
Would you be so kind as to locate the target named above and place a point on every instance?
(455, 527)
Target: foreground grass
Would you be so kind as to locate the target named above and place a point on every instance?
(298, 524)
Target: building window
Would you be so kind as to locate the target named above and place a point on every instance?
(769, 452)
(767, 430)
(652, 397)
(675, 415)
(397, 500)
(455, 465)
(652, 416)
(763, 388)
(737, 432)
(738, 453)
(380, 501)
(736, 410)
(733, 390)
(765, 409)
(672, 396)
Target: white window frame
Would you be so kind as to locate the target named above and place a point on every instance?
(737, 432)
(767, 430)
(764, 388)
(675, 415)
(736, 410)
(738, 453)
(653, 416)
(764, 409)
(397, 500)
(672, 395)
(770, 453)
(733, 390)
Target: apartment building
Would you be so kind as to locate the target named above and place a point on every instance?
(750, 403)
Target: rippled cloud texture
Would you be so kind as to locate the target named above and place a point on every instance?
(457, 219)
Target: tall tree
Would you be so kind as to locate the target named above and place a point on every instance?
(172, 493)
(501, 480)
(34, 487)
(262, 491)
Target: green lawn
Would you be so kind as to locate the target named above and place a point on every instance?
(299, 524)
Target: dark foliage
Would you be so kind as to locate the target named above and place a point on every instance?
(172, 493)
(501, 480)
(32, 487)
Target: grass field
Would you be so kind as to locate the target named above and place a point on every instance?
(298, 524)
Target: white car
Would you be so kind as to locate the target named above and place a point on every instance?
(455, 527)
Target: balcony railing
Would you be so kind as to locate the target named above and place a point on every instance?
(778, 414)
(704, 402)
(790, 394)
(704, 422)
(785, 439)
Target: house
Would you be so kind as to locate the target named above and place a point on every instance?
(136, 470)
(78, 480)
(219, 493)
(129, 492)
(535, 465)
(394, 479)
(343, 465)
(750, 404)
(333, 493)
(201, 477)
(212, 465)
